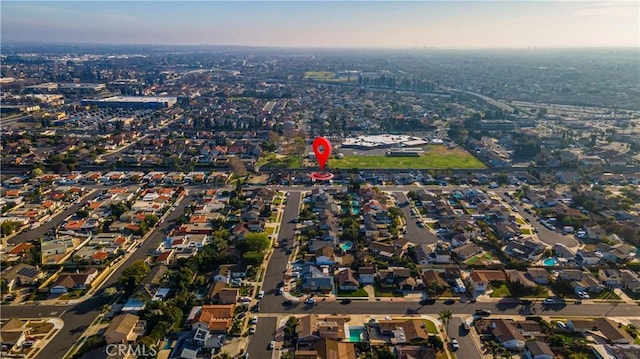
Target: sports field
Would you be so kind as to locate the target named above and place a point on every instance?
(437, 157)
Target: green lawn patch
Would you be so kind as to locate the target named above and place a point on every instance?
(520, 220)
(269, 230)
(525, 231)
(431, 327)
(501, 292)
(480, 259)
(606, 295)
(360, 292)
(433, 158)
(570, 338)
(387, 293)
(285, 162)
(277, 201)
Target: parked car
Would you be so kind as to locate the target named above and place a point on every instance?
(287, 303)
(254, 320)
(252, 330)
(525, 302)
(261, 294)
(428, 301)
(272, 344)
(561, 325)
(346, 301)
(549, 301)
(309, 301)
(449, 302)
(465, 326)
(483, 312)
(454, 344)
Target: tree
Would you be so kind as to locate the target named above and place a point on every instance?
(237, 166)
(256, 242)
(132, 276)
(7, 228)
(253, 258)
(384, 353)
(151, 220)
(445, 317)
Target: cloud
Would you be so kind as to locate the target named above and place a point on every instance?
(612, 10)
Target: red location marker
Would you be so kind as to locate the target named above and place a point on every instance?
(322, 149)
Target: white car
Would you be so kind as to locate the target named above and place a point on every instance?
(454, 344)
(254, 320)
(272, 344)
(561, 325)
(261, 294)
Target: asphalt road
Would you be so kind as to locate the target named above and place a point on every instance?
(39, 232)
(468, 349)
(78, 317)
(545, 235)
(265, 332)
(498, 308)
(414, 234)
(272, 302)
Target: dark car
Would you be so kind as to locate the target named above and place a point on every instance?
(287, 303)
(465, 326)
(428, 301)
(346, 301)
(449, 301)
(483, 312)
(525, 302)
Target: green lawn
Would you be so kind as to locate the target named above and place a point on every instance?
(431, 327)
(360, 292)
(501, 292)
(480, 259)
(269, 230)
(433, 158)
(285, 162)
(380, 293)
(520, 220)
(277, 201)
(607, 295)
(525, 231)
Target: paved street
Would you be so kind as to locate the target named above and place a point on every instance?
(265, 332)
(545, 235)
(468, 348)
(35, 233)
(414, 234)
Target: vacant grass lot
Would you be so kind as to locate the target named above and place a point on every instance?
(435, 157)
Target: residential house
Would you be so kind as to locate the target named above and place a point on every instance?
(480, 279)
(414, 352)
(613, 332)
(520, 277)
(367, 275)
(316, 279)
(630, 281)
(403, 331)
(467, 251)
(125, 328)
(507, 334)
(587, 258)
(217, 318)
(538, 350)
(21, 274)
(538, 275)
(13, 333)
(610, 277)
(347, 280)
(306, 329)
(73, 281)
(571, 275)
(561, 251)
(588, 283)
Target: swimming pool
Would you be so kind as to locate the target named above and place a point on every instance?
(356, 334)
(346, 245)
(550, 262)
(355, 211)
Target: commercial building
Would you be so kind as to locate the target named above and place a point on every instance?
(133, 102)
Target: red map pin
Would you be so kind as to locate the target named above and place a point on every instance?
(322, 149)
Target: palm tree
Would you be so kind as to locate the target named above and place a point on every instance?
(445, 317)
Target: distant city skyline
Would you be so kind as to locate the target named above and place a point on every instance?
(340, 24)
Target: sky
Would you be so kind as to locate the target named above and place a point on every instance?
(341, 24)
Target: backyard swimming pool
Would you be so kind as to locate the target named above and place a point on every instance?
(346, 245)
(356, 334)
(550, 262)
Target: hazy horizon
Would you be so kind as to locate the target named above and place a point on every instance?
(313, 24)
